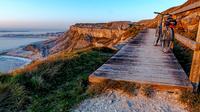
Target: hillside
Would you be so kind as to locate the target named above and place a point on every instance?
(59, 81)
(86, 35)
(80, 36)
(55, 84)
(187, 21)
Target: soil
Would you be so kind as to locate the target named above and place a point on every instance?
(114, 101)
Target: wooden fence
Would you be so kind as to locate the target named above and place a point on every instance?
(193, 45)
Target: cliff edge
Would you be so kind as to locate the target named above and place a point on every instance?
(84, 35)
(187, 21)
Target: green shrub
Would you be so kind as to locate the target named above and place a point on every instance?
(184, 56)
(4, 87)
(54, 85)
(12, 97)
(191, 99)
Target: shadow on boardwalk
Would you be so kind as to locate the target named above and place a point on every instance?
(141, 62)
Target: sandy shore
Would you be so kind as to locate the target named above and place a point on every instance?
(9, 63)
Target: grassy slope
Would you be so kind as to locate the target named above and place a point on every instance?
(54, 85)
(184, 56)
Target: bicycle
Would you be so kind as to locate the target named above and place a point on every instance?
(165, 32)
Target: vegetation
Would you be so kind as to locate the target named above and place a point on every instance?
(184, 56)
(192, 100)
(53, 85)
(131, 32)
(147, 90)
(128, 88)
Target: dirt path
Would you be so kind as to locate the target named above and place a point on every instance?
(118, 102)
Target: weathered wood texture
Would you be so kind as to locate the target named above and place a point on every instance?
(195, 68)
(188, 42)
(187, 8)
(141, 62)
(194, 45)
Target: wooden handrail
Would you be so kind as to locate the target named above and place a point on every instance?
(195, 68)
(193, 45)
(187, 8)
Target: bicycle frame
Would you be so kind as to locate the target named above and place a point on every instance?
(161, 22)
(162, 30)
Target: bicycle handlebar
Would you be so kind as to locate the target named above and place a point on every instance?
(167, 14)
(157, 13)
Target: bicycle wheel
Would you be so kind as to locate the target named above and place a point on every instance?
(157, 36)
(167, 39)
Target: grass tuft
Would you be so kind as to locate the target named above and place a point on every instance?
(147, 90)
(184, 56)
(191, 99)
(56, 84)
(99, 88)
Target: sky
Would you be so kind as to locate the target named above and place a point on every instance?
(59, 14)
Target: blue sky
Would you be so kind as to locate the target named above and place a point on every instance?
(59, 14)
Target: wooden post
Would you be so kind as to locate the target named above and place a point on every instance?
(195, 68)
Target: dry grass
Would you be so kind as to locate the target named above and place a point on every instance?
(131, 32)
(129, 88)
(56, 84)
(59, 56)
(147, 90)
(191, 99)
(99, 88)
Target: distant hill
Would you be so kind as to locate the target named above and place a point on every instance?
(84, 35)
(187, 21)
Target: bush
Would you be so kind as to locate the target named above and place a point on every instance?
(191, 99)
(12, 97)
(56, 84)
(126, 87)
(184, 56)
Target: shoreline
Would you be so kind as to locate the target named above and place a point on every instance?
(10, 63)
(15, 58)
(20, 56)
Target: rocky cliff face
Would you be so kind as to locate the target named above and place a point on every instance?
(94, 35)
(187, 21)
(78, 37)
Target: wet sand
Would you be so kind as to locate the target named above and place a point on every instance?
(9, 63)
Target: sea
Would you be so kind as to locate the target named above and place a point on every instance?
(9, 63)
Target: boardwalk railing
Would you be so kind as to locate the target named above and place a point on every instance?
(193, 45)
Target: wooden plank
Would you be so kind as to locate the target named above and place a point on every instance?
(195, 68)
(174, 75)
(141, 62)
(187, 8)
(188, 42)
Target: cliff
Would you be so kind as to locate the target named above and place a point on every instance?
(87, 35)
(187, 21)
(79, 36)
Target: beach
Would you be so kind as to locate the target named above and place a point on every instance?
(18, 49)
(9, 63)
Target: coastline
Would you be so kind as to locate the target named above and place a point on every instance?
(14, 58)
(10, 63)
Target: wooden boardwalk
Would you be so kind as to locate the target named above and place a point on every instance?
(141, 62)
